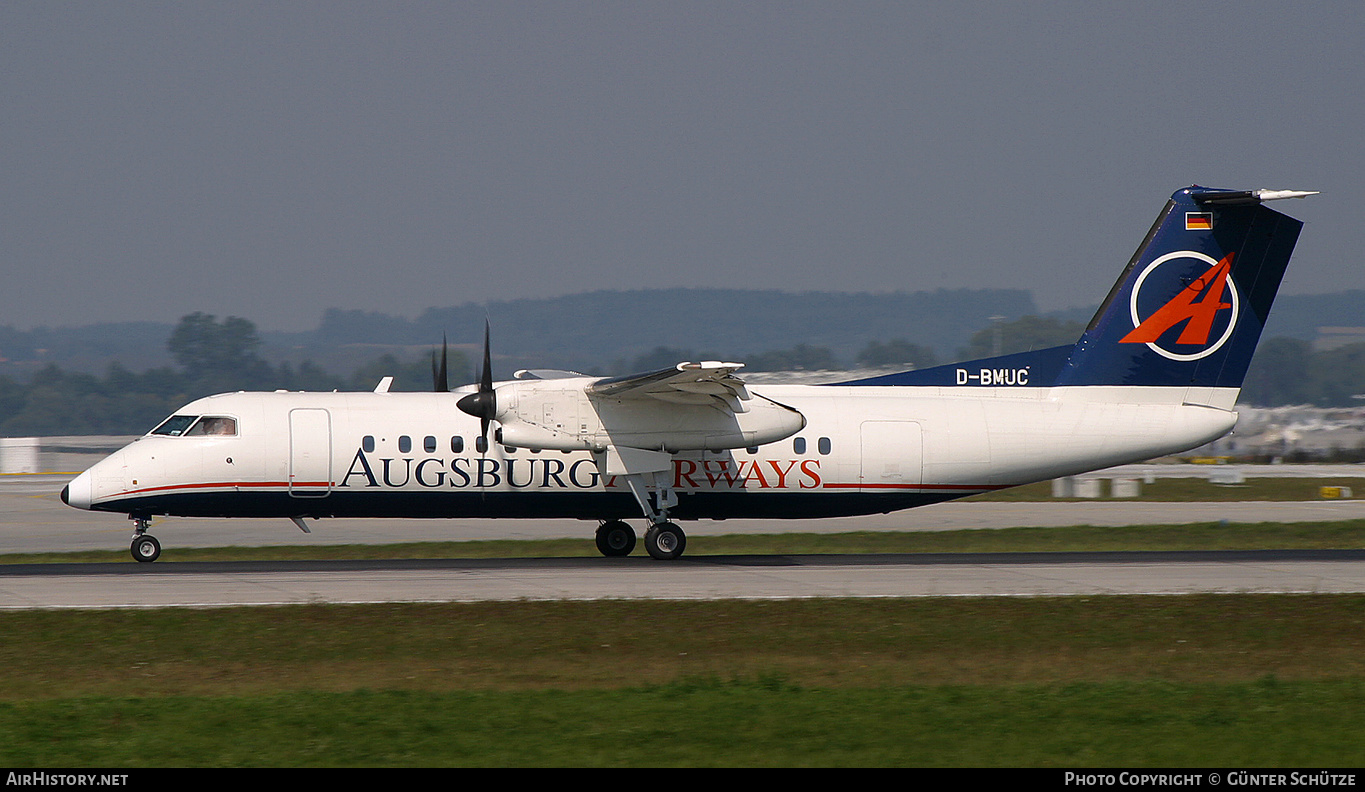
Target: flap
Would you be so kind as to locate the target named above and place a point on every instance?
(633, 461)
(709, 382)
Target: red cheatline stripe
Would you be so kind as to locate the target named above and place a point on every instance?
(316, 484)
(225, 485)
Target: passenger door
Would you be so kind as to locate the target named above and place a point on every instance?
(892, 455)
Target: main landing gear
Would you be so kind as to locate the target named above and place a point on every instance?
(647, 474)
(615, 539)
(664, 541)
(145, 546)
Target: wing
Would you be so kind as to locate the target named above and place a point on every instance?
(707, 383)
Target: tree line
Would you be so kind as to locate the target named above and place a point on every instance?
(213, 356)
(210, 356)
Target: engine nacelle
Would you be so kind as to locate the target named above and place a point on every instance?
(560, 415)
(520, 434)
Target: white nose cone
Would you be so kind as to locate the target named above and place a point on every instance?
(79, 493)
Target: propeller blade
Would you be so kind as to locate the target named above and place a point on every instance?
(440, 382)
(482, 404)
(486, 378)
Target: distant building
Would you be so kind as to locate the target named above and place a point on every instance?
(1336, 337)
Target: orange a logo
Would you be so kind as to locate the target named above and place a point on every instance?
(1198, 305)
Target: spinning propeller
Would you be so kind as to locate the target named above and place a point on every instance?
(439, 381)
(482, 404)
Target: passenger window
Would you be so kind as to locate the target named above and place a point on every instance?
(481, 444)
(799, 445)
(456, 444)
(215, 425)
(824, 445)
(429, 444)
(175, 425)
(368, 444)
(404, 444)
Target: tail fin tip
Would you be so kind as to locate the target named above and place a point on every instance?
(1189, 308)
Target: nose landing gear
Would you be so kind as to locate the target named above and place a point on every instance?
(145, 547)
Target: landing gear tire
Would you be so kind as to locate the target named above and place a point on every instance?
(615, 539)
(665, 541)
(146, 548)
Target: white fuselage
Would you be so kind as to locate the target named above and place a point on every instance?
(863, 449)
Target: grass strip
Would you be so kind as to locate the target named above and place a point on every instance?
(712, 723)
(1204, 680)
(613, 644)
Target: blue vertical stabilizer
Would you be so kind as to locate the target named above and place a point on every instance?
(1189, 308)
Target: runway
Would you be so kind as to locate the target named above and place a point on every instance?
(171, 584)
(33, 520)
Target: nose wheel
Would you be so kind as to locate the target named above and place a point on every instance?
(145, 547)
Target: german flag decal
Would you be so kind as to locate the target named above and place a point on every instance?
(1199, 221)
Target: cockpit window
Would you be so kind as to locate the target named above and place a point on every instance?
(220, 425)
(194, 425)
(175, 425)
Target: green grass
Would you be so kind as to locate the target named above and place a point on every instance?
(712, 724)
(1135, 681)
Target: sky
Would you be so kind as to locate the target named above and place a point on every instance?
(272, 160)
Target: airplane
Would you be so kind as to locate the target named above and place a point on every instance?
(1157, 371)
